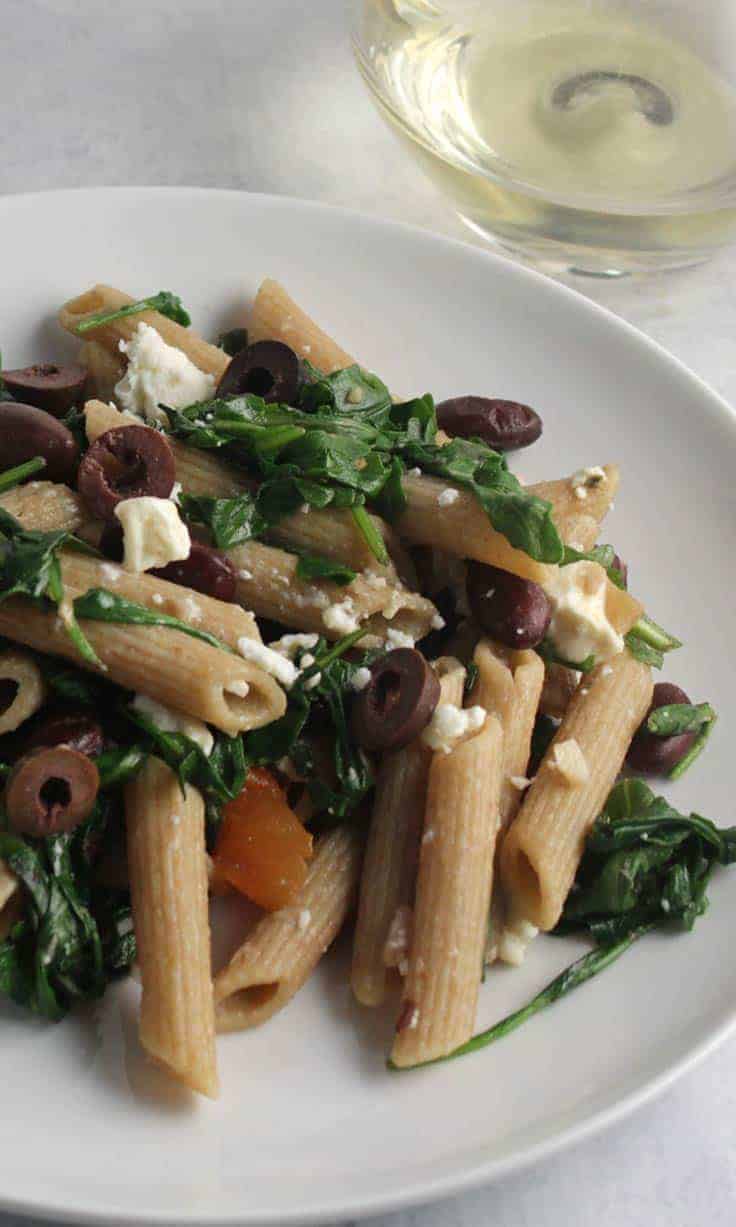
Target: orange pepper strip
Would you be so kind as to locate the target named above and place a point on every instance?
(262, 848)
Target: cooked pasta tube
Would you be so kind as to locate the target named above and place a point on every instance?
(44, 506)
(542, 850)
(173, 668)
(22, 691)
(283, 949)
(453, 897)
(208, 358)
(105, 369)
(276, 317)
(197, 471)
(269, 585)
(168, 888)
(589, 492)
(509, 685)
(392, 850)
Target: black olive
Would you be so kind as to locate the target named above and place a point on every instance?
(126, 462)
(268, 369)
(50, 791)
(398, 702)
(47, 386)
(205, 570)
(650, 753)
(502, 424)
(512, 610)
(76, 729)
(26, 432)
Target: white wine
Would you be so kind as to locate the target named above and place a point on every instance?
(583, 138)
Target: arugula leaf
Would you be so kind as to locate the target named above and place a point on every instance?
(71, 685)
(233, 341)
(231, 521)
(695, 750)
(602, 554)
(310, 566)
(370, 534)
(677, 718)
(546, 649)
(164, 302)
(391, 500)
(645, 866)
(100, 605)
(13, 477)
(350, 390)
(118, 765)
(654, 635)
(220, 775)
(642, 651)
(30, 567)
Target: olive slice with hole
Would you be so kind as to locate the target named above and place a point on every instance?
(504, 425)
(268, 369)
(515, 611)
(654, 755)
(50, 791)
(76, 729)
(126, 462)
(27, 432)
(46, 385)
(397, 703)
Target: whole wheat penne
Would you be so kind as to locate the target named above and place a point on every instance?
(392, 849)
(283, 949)
(44, 506)
(567, 503)
(509, 685)
(276, 317)
(105, 370)
(22, 688)
(440, 993)
(543, 847)
(168, 888)
(208, 358)
(174, 669)
(269, 585)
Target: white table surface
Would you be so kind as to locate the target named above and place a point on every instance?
(264, 97)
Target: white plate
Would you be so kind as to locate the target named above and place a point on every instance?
(310, 1125)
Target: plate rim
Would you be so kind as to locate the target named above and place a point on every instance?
(485, 1172)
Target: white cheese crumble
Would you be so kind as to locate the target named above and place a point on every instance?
(569, 761)
(239, 688)
(341, 617)
(451, 724)
(587, 479)
(157, 598)
(398, 940)
(278, 666)
(109, 572)
(438, 622)
(448, 497)
(175, 722)
(519, 781)
(290, 645)
(515, 937)
(361, 678)
(580, 627)
(153, 533)
(159, 373)
(245, 574)
(414, 473)
(175, 492)
(304, 919)
(398, 639)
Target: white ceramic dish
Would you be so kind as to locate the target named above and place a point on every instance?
(310, 1126)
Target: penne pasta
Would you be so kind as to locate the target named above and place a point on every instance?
(105, 369)
(208, 358)
(392, 850)
(269, 585)
(283, 949)
(569, 508)
(509, 685)
(276, 317)
(440, 993)
(45, 506)
(542, 849)
(168, 887)
(22, 691)
(174, 669)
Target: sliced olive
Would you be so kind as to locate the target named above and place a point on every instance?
(205, 570)
(48, 386)
(515, 611)
(654, 755)
(233, 341)
(26, 432)
(503, 424)
(397, 703)
(76, 729)
(127, 462)
(268, 369)
(50, 791)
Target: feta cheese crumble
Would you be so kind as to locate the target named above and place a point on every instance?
(580, 627)
(159, 373)
(451, 724)
(273, 663)
(398, 639)
(153, 533)
(340, 617)
(361, 678)
(569, 761)
(514, 940)
(174, 722)
(448, 497)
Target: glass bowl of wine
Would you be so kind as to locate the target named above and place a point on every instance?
(590, 135)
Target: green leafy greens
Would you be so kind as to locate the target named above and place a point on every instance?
(164, 302)
(13, 477)
(645, 866)
(100, 605)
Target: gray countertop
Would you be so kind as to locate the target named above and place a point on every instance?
(264, 97)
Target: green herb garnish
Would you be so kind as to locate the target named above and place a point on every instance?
(164, 302)
(310, 567)
(231, 521)
(100, 605)
(547, 650)
(13, 477)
